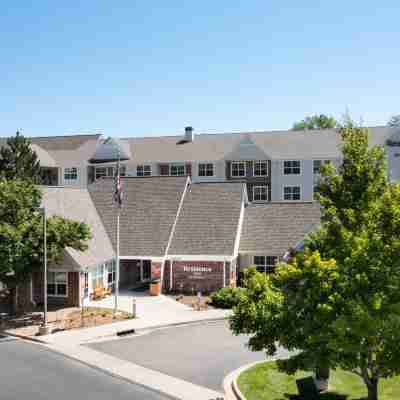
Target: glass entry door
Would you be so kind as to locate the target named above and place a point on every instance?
(145, 272)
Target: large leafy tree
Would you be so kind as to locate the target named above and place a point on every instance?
(339, 301)
(18, 160)
(21, 233)
(320, 121)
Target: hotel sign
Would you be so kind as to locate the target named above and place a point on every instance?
(196, 269)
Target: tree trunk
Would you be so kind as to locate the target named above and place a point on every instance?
(322, 374)
(373, 389)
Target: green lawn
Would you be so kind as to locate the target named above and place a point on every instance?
(265, 382)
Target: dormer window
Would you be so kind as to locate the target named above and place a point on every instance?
(206, 169)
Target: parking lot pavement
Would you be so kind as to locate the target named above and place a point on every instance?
(199, 353)
(29, 371)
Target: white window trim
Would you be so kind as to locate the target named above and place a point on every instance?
(66, 285)
(301, 168)
(245, 169)
(170, 165)
(292, 201)
(266, 193)
(144, 165)
(254, 167)
(265, 265)
(323, 162)
(71, 180)
(205, 164)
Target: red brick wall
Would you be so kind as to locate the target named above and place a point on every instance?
(192, 281)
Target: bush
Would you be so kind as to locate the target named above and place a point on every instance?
(227, 297)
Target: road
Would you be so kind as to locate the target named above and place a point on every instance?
(202, 353)
(30, 371)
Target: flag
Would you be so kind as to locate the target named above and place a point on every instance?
(118, 187)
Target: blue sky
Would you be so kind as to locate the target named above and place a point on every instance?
(137, 68)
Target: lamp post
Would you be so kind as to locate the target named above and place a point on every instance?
(44, 329)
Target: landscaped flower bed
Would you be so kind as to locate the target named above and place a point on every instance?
(265, 382)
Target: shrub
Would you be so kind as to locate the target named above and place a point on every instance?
(227, 297)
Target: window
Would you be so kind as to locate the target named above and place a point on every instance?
(291, 193)
(177, 170)
(143, 170)
(110, 266)
(109, 172)
(238, 169)
(291, 167)
(206, 169)
(260, 193)
(260, 168)
(57, 284)
(317, 164)
(70, 174)
(265, 264)
(97, 275)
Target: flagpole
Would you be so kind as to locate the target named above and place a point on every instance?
(117, 250)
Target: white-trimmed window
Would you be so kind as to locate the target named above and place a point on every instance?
(292, 167)
(291, 193)
(57, 284)
(70, 174)
(317, 164)
(97, 276)
(177, 170)
(110, 266)
(260, 193)
(206, 169)
(265, 264)
(109, 172)
(143, 170)
(238, 169)
(260, 168)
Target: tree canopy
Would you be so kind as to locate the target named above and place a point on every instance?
(338, 302)
(320, 121)
(21, 232)
(18, 160)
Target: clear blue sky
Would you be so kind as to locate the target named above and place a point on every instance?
(136, 68)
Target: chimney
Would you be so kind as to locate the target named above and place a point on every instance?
(189, 134)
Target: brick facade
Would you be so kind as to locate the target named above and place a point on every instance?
(193, 276)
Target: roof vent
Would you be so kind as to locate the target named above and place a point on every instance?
(189, 134)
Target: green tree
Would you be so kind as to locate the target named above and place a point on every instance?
(320, 121)
(18, 160)
(339, 301)
(21, 233)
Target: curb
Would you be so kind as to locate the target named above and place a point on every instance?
(29, 338)
(231, 388)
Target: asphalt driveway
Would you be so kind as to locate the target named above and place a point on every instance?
(30, 371)
(202, 353)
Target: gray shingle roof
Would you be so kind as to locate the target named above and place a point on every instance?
(149, 209)
(209, 220)
(274, 228)
(276, 144)
(76, 204)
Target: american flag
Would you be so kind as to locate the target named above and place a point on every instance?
(118, 187)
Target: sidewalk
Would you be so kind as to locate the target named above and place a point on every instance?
(152, 312)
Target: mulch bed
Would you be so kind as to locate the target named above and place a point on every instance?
(192, 301)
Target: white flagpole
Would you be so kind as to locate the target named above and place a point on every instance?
(117, 255)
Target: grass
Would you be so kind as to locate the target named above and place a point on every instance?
(265, 382)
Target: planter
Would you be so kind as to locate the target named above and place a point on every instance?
(155, 287)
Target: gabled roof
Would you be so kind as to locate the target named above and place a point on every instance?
(209, 220)
(150, 206)
(273, 228)
(76, 204)
(286, 144)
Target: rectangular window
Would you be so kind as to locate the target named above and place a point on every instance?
(260, 193)
(238, 169)
(260, 168)
(291, 193)
(177, 170)
(97, 275)
(110, 273)
(143, 170)
(57, 284)
(206, 169)
(70, 174)
(265, 264)
(317, 164)
(291, 167)
(109, 172)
